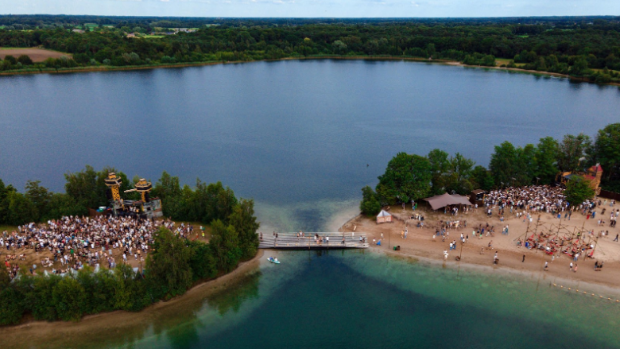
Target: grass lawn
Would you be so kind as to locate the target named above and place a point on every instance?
(153, 36)
(7, 228)
(502, 61)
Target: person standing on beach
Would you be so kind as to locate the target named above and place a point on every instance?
(546, 266)
(523, 259)
(571, 266)
(495, 258)
(616, 239)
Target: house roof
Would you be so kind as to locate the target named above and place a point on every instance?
(596, 168)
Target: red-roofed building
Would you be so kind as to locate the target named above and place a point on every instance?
(593, 175)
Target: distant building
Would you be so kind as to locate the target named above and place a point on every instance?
(131, 35)
(592, 175)
(79, 31)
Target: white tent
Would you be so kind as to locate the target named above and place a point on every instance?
(384, 217)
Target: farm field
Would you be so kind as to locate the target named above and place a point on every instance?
(36, 54)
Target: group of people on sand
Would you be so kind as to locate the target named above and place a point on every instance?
(535, 198)
(77, 241)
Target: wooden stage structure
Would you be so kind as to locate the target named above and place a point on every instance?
(290, 241)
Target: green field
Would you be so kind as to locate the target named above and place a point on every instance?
(153, 36)
(7, 228)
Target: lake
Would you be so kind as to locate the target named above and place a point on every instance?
(300, 137)
(359, 299)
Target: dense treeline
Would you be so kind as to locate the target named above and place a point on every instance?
(173, 265)
(86, 189)
(411, 177)
(582, 48)
(67, 21)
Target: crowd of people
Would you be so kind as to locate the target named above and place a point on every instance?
(77, 241)
(535, 198)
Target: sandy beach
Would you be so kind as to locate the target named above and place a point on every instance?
(420, 243)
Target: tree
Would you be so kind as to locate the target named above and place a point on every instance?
(10, 59)
(503, 164)
(202, 262)
(578, 190)
(169, 273)
(572, 152)
(407, 177)
(11, 306)
(459, 175)
(430, 49)
(225, 245)
(82, 187)
(439, 168)
(168, 189)
(244, 222)
(546, 156)
(482, 178)
(219, 203)
(580, 66)
(68, 297)
(339, 46)
(607, 148)
(25, 60)
(369, 205)
(39, 196)
(20, 210)
(525, 170)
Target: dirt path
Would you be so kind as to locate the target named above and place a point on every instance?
(35, 53)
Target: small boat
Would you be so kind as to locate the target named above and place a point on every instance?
(273, 260)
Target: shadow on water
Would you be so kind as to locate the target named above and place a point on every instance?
(232, 298)
(330, 305)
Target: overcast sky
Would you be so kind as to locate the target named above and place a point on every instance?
(315, 8)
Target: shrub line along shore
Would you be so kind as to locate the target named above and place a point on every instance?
(362, 58)
(199, 289)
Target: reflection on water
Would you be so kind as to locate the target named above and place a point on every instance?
(300, 137)
(232, 298)
(338, 299)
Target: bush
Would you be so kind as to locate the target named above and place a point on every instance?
(25, 60)
(10, 59)
(370, 205)
(169, 272)
(11, 306)
(69, 297)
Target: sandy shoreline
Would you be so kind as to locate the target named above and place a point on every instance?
(365, 58)
(420, 245)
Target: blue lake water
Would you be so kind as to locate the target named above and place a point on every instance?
(300, 137)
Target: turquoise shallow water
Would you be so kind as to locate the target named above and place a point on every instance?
(366, 300)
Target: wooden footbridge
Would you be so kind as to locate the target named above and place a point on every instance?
(291, 241)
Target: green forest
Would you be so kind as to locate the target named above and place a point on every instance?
(173, 265)
(411, 177)
(583, 47)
